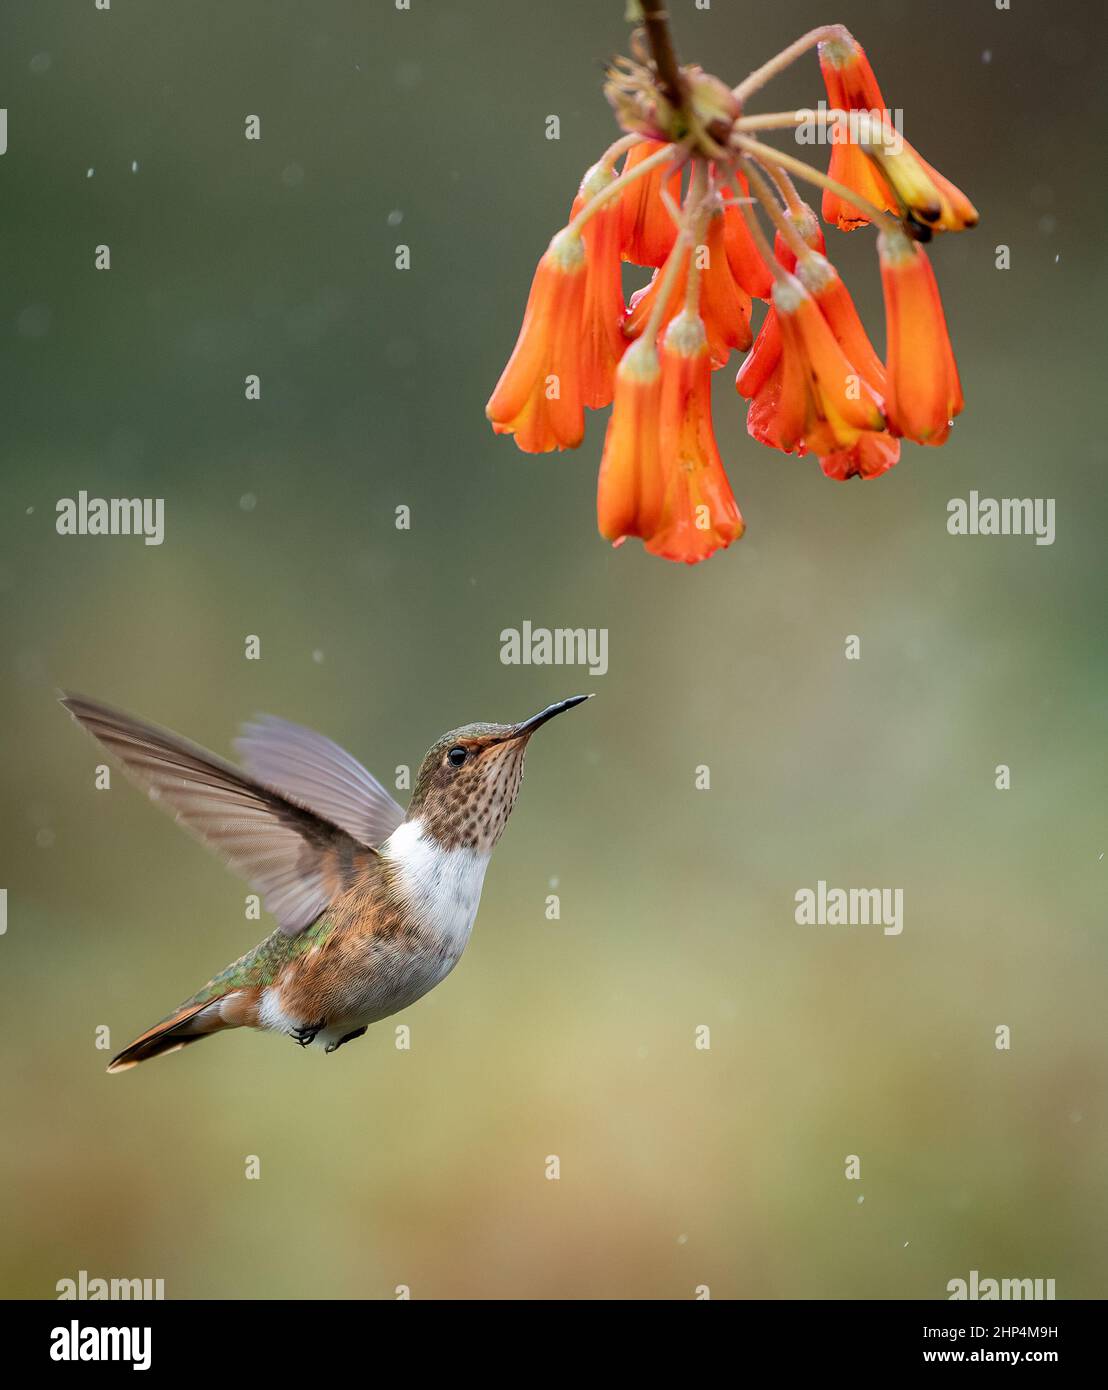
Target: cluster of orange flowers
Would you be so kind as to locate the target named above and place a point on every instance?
(813, 379)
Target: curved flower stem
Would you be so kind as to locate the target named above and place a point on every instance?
(695, 205)
(766, 196)
(665, 287)
(620, 182)
(787, 120)
(760, 76)
(769, 155)
(787, 188)
(619, 147)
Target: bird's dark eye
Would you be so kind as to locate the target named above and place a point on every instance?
(457, 756)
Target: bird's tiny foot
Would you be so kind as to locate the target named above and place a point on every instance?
(347, 1037)
(307, 1035)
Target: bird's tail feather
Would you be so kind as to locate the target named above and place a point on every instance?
(190, 1023)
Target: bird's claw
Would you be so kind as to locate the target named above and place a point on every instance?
(306, 1035)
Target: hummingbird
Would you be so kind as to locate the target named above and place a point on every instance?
(374, 905)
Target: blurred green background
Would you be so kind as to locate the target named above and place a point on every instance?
(426, 1168)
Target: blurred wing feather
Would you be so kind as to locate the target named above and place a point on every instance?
(315, 772)
(283, 850)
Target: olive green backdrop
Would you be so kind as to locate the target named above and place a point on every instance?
(679, 1167)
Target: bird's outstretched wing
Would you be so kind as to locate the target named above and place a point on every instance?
(295, 858)
(317, 773)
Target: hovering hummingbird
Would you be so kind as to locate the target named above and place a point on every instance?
(374, 905)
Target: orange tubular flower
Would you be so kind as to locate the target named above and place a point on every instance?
(695, 191)
(647, 231)
(538, 396)
(763, 376)
(823, 400)
(749, 270)
(602, 340)
(629, 493)
(851, 86)
(873, 454)
(763, 359)
(759, 377)
(724, 307)
(923, 194)
(820, 278)
(699, 515)
(923, 394)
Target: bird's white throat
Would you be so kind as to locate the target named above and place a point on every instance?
(440, 887)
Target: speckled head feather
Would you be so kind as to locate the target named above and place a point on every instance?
(468, 781)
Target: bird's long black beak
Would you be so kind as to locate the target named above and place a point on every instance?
(528, 726)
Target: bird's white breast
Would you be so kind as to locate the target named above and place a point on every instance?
(440, 887)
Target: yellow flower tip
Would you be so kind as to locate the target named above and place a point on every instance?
(895, 247)
(806, 223)
(924, 195)
(815, 273)
(686, 334)
(788, 295)
(567, 251)
(639, 364)
(596, 179)
(843, 51)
